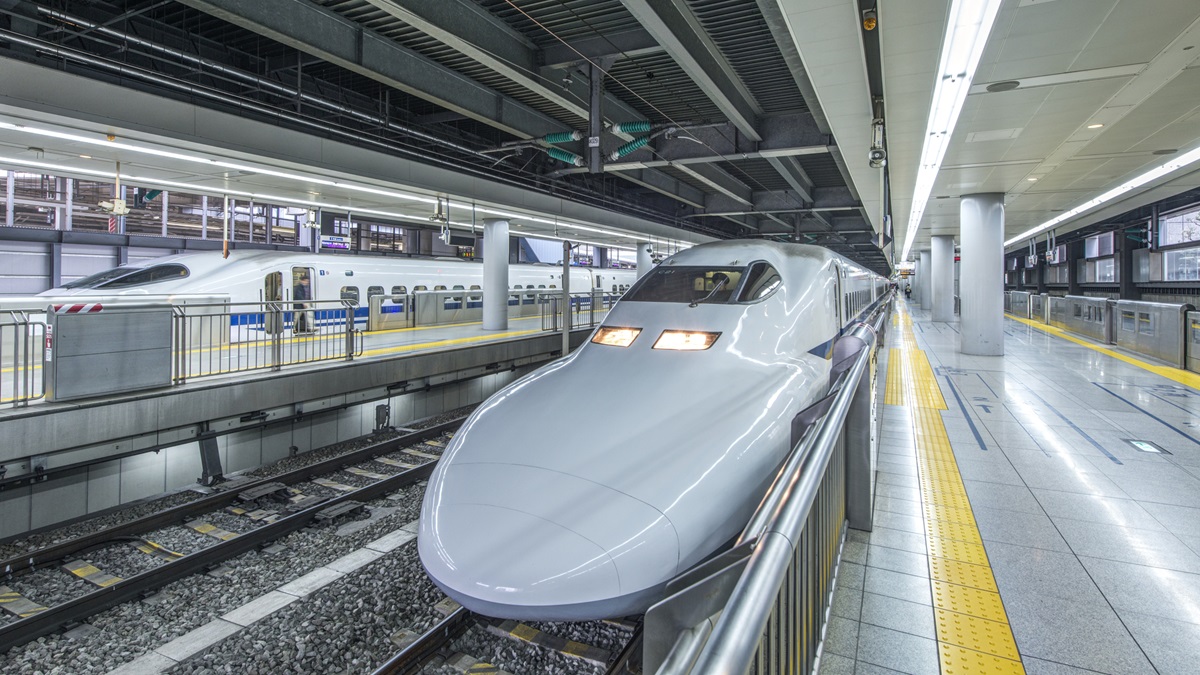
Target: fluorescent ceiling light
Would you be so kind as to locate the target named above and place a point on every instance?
(1157, 172)
(969, 24)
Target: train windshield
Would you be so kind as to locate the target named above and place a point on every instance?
(124, 277)
(711, 285)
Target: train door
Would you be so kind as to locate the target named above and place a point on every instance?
(272, 295)
(303, 292)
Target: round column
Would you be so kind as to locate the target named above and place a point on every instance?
(941, 278)
(922, 289)
(644, 261)
(495, 274)
(981, 287)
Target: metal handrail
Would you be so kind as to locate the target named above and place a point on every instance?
(21, 355)
(776, 529)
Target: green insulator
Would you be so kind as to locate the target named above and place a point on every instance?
(639, 127)
(630, 147)
(563, 137)
(565, 156)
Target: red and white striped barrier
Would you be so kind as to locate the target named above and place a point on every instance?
(79, 309)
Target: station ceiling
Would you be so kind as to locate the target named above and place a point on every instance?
(760, 111)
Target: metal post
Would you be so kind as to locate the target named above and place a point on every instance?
(68, 224)
(924, 288)
(204, 216)
(595, 120)
(10, 195)
(349, 332)
(58, 210)
(566, 293)
(165, 196)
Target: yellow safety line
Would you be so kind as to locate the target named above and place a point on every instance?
(1184, 377)
(445, 343)
(973, 632)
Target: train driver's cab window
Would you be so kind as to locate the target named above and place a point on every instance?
(761, 280)
(123, 277)
(398, 293)
(350, 294)
(692, 284)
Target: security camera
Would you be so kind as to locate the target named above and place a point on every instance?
(116, 207)
(877, 158)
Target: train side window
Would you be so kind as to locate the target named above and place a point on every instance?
(398, 293)
(614, 288)
(761, 280)
(420, 288)
(373, 291)
(350, 293)
(439, 287)
(553, 286)
(459, 287)
(474, 298)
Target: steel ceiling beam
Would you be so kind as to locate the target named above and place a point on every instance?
(320, 32)
(672, 23)
(623, 44)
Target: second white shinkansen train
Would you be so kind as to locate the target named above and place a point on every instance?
(258, 276)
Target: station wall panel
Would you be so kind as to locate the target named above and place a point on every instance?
(81, 260)
(15, 504)
(245, 450)
(183, 465)
(61, 499)
(302, 435)
(276, 441)
(104, 486)
(24, 267)
(323, 430)
(142, 476)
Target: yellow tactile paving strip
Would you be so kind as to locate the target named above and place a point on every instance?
(972, 628)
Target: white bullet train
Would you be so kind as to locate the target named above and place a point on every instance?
(255, 276)
(581, 489)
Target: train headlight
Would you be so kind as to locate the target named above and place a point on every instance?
(685, 341)
(616, 337)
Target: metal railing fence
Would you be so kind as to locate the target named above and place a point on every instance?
(223, 338)
(762, 607)
(587, 309)
(22, 348)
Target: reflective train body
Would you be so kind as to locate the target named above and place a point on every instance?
(257, 276)
(581, 489)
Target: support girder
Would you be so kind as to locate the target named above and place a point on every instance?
(672, 23)
(323, 33)
(623, 44)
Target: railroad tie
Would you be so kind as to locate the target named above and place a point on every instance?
(211, 530)
(418, 453)
(265, 515)
(524, 633)
(366, 474)
(334, 484)
(396, 463)
(90, 573)
(18, 605)
(469, 665)
(158, 551)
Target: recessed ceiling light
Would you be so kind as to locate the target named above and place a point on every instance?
(85, 157)
(1007, 85)
(1095, 126)
(1031, 179)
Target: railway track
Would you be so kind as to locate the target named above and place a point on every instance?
(448, 646)
(269, 508)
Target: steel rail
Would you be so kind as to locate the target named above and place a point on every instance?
(413, 657)
(79, 609)
(29, 562)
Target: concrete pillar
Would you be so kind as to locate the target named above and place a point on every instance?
(644, 262)
(941, 277)
(982, 283)
(923, 278)
(495, 274)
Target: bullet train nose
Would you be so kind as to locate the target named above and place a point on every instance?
(519, 542)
